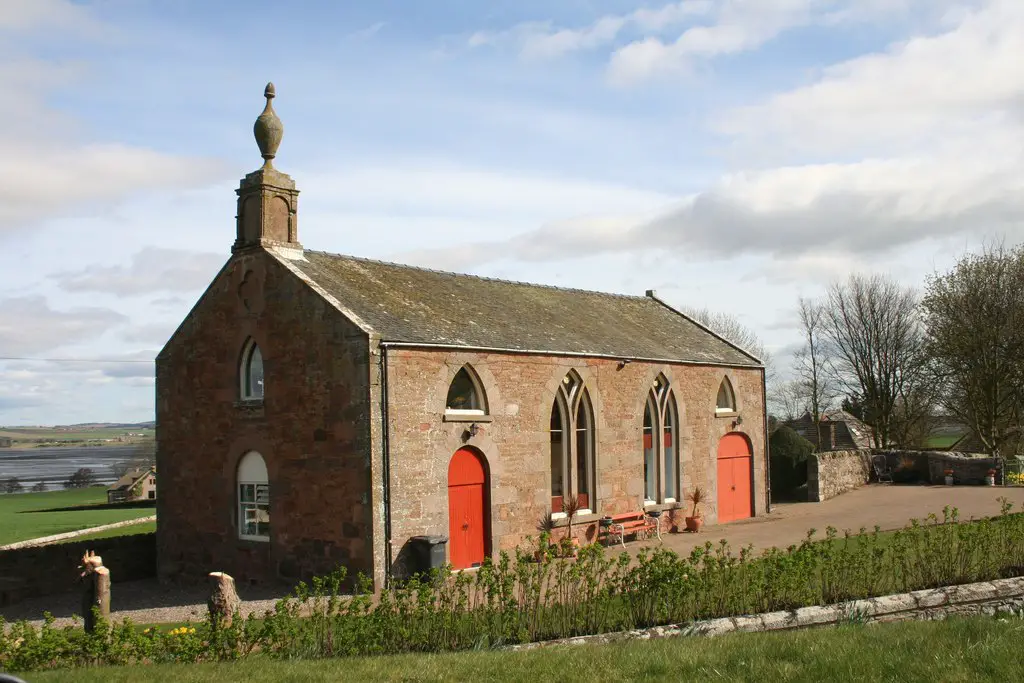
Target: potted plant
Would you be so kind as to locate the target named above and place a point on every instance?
(696, 518)
(949, 477)
(570, 506)
(990, 478)
(545, 526)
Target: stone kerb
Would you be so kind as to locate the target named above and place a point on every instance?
(1003, 596)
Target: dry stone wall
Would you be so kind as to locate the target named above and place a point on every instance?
(835, 472)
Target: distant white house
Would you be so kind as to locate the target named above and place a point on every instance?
(139, 484)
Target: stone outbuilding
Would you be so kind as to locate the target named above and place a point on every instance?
(315, 409)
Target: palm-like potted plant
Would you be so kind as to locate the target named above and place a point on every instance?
(696, 518)
(545, 526)
(570, 506)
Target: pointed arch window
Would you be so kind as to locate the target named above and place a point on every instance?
(251, 373)
(573, 470)
(253, 498)
(661, 444)
(726, 401)
(465, 394)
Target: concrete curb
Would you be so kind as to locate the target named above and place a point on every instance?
(987, 597)
(46, 540)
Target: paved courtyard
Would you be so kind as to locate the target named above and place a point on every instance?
(887, 506)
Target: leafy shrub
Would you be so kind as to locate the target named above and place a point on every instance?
(518, 599)
(788, 453)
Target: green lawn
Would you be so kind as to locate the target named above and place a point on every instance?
(940, 441)
(140, 528)
(977, 649)
(23, 516)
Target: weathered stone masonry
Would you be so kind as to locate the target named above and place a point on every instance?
(514, 438)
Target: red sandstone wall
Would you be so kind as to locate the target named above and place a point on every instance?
(313, 430)
(520, 390)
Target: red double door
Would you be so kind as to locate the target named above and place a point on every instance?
(735, 478)
(467, 509)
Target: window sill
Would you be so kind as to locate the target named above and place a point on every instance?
(726, 413)
(254, 539)
(664, 507)
(465, 417)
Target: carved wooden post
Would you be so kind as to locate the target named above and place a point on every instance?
(223, 602)
(97, 589)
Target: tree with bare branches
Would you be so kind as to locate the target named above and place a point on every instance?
(815, 383)
(975, 341)
(730, 327)
(874, 329)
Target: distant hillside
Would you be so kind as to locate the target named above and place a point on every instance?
(83, 426)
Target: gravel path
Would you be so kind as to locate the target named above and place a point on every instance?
(144, 602)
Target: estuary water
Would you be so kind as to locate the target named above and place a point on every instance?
(54, 465)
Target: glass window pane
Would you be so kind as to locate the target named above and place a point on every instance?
(246, 493)
(725, 400)
(462, 394)
(557, 459)
(583, 453)
(670, 468)
(650, 467)
(263, 493)
(254, 374)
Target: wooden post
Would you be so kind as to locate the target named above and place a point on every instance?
(223, 602)
(97, 589)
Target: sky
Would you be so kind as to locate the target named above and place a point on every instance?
(730, 154)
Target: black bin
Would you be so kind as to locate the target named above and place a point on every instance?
(428, 552)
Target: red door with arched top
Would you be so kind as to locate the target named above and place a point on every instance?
(467, 509)
(735, 478)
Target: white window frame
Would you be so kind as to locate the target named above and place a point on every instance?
(244, 373)
(572, 394)
(731, 392)
(252, 471)
(660, 400)
(481, 395)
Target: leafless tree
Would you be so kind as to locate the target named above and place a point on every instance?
(975, 320)
(730, 327)
(787, 400)
(815, 383)
(874, 329)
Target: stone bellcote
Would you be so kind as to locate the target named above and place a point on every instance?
(267, 198)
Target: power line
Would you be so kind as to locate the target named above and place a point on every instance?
(79, 360)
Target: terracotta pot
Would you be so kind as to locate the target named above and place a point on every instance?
(949, 480)
(694, 524)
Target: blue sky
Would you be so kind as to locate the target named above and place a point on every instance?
(734, 154)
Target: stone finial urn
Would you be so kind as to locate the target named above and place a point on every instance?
(268, 129)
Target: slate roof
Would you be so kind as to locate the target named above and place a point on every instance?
(420, 306)
(850, 433)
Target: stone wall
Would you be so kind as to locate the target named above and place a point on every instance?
(1003, 596)
(312, 429)
(835, 472)
(968, 468)
(49, 569)
(514, 439)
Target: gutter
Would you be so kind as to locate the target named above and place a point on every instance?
(385, 462)
(574, 354)
(767, 449)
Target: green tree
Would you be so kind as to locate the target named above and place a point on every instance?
(12, 485)
(975, 343)
(82, 478)
(788, 460)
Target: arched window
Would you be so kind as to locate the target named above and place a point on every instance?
(661, 444)
(465, 394)
(251, 373)
(726, 402)
(573, 470)
(253, 498)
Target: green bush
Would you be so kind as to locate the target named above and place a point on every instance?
(788, 453)
(520, 599)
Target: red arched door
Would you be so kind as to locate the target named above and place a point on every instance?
(467, 509)
(735, 478)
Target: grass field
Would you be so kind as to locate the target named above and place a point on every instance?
(24, 516)
(140, 528)
(941, 440)
(31, 437)
(977, 649)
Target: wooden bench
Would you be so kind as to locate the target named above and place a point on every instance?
(629, 523)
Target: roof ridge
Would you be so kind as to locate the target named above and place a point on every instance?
(480, 277)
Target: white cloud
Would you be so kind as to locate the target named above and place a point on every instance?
(46, 169)
(152, 269)
(28, 326)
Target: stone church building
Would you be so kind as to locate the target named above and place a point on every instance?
(315, 409)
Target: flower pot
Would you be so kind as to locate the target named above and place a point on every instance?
(949, 480)
(990, 480)
(694, 524)
(606, 522)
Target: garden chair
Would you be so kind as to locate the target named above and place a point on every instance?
(881, 467)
